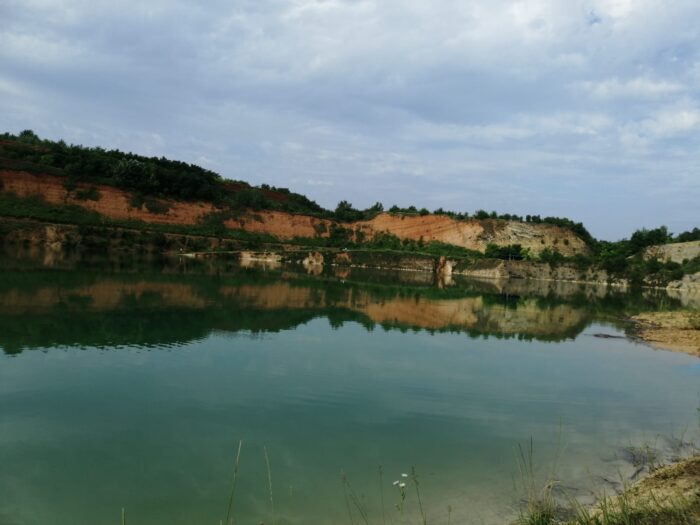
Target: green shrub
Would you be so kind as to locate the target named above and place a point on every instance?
(157, 206)
(510, 252)
(86, 194)
(551, 256)
(137, 201)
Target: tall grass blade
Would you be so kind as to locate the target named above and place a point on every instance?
(414, 477)
(381, 492)
(343, 479)
(229, 510)
(355, 499)
(269, 484)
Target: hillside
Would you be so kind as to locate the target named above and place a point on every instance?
(114, 203)
(118, 201)
(55, 182)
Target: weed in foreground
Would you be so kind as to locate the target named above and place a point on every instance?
(540, 506)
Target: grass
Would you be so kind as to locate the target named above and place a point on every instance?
(634, 505)
(623, 509)
(540, 506)
(618, 510)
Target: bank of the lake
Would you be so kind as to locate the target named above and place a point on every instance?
(677, 331)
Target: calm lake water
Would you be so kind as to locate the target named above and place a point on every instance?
(125, 388)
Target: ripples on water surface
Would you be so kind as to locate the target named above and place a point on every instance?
(132, 390)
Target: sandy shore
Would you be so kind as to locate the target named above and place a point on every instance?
(677, 331)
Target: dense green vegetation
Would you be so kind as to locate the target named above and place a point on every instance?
(512, 252)
(626, 258)
(692, 235)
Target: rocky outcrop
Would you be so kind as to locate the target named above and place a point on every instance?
(313, 259)
(676, 252)
(536, 271)
(443, 267)
(475, 234)
(57, 240)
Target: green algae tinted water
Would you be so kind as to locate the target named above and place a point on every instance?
(132, 390)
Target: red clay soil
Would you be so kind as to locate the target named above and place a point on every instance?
(112, 203)
(282, 225)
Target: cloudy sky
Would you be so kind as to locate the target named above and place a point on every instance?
(582, 108)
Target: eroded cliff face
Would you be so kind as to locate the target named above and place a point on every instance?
(111, 202)
(475, 234)
(116, 204)
(676, 252)
(497, 269)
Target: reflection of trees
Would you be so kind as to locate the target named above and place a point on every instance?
(44, 309)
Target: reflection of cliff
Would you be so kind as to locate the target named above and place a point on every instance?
(68, 308)
(493, 315)
(101, 296)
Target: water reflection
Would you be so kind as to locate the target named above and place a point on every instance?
(111, 303)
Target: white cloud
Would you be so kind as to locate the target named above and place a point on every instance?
(672, 121)
(514, 129)
(636, 87)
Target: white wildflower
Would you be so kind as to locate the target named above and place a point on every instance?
(402, 485)
(395, 483)
(404, 475)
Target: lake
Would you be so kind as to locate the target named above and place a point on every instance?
(131, 387)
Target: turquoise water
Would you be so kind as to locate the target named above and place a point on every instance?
(132, 391)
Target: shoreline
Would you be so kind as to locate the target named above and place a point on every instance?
(667, 495)
(674, 331)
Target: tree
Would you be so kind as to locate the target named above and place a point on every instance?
(643, 238)
(346, 213)
(692, 235)
(29, 137)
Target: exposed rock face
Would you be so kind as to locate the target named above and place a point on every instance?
(497, 269)
(676, 252)
(58, 240)
(443, 268)
(474, 234)
(112, 202)
(313, 259)
(280, 224)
